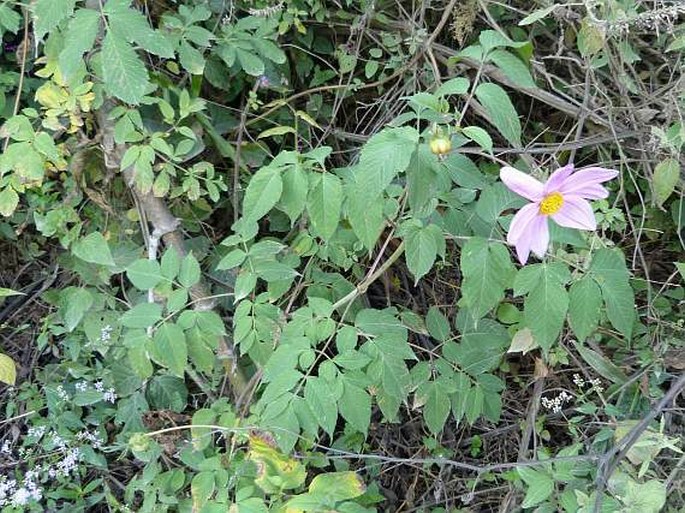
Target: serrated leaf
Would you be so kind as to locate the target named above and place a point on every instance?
(487, 270)
(590, 38)
(365, 218)
(78, 39)
(383, 157)
(324, 204)
(232, 259)
(540, 486)
(9, 19)
(189, 272)
(124, 74)
(337, 486)
(8, 370)
(294, 196)
(75, 303)
(144, 273)
(585, 301)
(609, 270)
(545, 308)
(322, 402)
(170, 348)
(47, 14)
(437, 324)
(94, 249)
(436, 405)
(142, 315)
(666, 177)
(132, 25)
(263, 192)
(421, 251)
(501, 111)
(355, 407)
(249, 62)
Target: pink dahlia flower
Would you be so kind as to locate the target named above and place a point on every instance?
(563, 198)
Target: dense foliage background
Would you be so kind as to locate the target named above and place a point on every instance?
(254, 257)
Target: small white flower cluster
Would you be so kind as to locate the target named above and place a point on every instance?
(267, 11)
(61, 393)
(92, 438)
(108, 395)
(106, 333)
(36, 432)
(555, 404)
(17, 496)
(594, 383)
(6, 449)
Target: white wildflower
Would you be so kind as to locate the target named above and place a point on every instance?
(6, 449)
(36, 431)
(110, 395)
(106, 333)
(61, 393)
(81, 386)
(99, 386)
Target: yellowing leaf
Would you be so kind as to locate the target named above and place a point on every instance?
(307, 118)
(275, 471)
(339, 486)
(8, 370)
(277, 130)
(522, 342)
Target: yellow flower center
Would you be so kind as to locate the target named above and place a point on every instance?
(551, 204)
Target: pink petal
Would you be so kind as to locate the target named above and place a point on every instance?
(521, 183)
(586, 177)
(539, 229)
(557, 178)
(594, 191)
(575, 213)
(521, 220)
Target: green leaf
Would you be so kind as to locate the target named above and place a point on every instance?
(585, 301)
(249, 62)
(78, 39)
(75, 303)
(124, 74)
(294, 196)
(8, 370)
(546, 306)
(202, 488)
(355, 406)
(8, 201)
(171, 263)
(537, 15)
(324, 204)
(459, 85)
(601, 365)
(421, 250)
(189, 273)
(47, 14)
(263, 192)
(501, 111)
(609, 270)
(202, 436)
(144, 273)
(167, 393)
(487, 270)
(383, 157)
(474, 404)
(277, 130)
(191, 59)
(170, 348)
(365, 218)
(481, 348)
(142, 315)
(590, 38)
(437, 324)
(322, 402)
(666, 177)
(9, 19)
(132, 25)
(436, 405)
(512, 67)
(232, 259)
(337, 486)
(479, 136)
(540, 486)
(94, 249)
